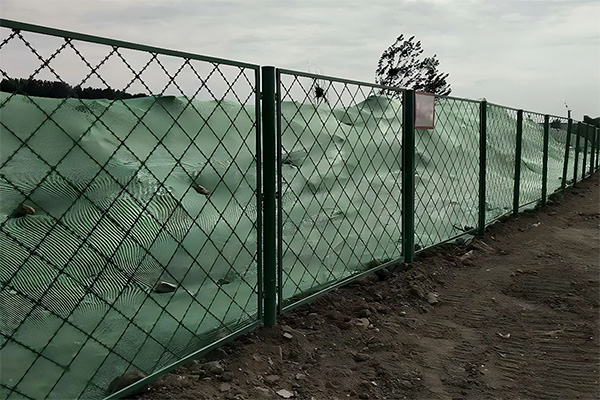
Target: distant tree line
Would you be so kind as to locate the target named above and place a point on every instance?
(59, 90)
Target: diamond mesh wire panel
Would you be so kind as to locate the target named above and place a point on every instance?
(532, 152)
(340, 168)
(588, 132)
(557, 153)
(447, 173)
(578, 141)
(128, 219)
(500, 173)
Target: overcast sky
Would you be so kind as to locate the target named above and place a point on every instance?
(531, 54)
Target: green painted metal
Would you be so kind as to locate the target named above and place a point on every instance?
(279, 195)
(597, 147)
(566, 160)
(117, 43)
(519, 145)
(482, 165)
(584, 169)
(259, 195)
(577, 140)
(545, 159)
(268, 109)
(269, 190)
(408, 173)
(592, 149)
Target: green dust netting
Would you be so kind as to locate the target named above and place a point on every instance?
(143, 244)
(500, 171)
(341, 180)
(129, 228)
(447, 173)
(532, 155)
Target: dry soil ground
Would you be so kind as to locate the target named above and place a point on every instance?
(514, 315)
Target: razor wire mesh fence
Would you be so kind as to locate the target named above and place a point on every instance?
(129, 227)
(132, 223)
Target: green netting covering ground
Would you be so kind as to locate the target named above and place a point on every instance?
(131, 229)
(143, 245)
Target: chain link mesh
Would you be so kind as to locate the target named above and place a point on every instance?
(127, 226)
(500, 172)
(447, 173)
(558, 154)
(532, 145)
(340, 184)
(130, 217)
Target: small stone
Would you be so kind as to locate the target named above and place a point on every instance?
(164, 287)
(214, 368)
(201, 190)
(128, 378)
(216, 355)
(224, 387)
(360, 357)
(432, 298)
(286, 394)
(23, 210)
(227, 376)
(288, 336)
(300, 376)
(263, 391)
(272, 378)
(364, 313)
(406, 384)
(364, 322)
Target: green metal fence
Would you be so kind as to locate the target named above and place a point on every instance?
(447, 173)
(195, 198)
(140, 244)
(339, 181)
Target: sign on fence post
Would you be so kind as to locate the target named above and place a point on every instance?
(424, 110)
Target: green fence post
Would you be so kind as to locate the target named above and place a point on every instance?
(545, 159)
(585, 150)
(517, 187)
(566, 163)
(269, 190)
(408, 173)
(578, 132)
(482, 164)
(597, 147)
(592, 149)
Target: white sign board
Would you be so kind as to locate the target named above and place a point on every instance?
(424, 110)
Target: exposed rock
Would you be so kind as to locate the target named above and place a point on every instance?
(128, 378)
(164, 287)
(23, 210)
(272, 378)
(360, 357)
(286, 394)
(214, 368)
(432, 298)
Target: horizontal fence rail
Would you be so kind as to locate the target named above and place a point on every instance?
(155, 204)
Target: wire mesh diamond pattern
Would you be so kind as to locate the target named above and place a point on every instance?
(340, 168)
(501, 142)
(447, 173)
(532, 147)
(128, 184)
(560, 154)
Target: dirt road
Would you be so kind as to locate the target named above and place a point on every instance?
(514, 315)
